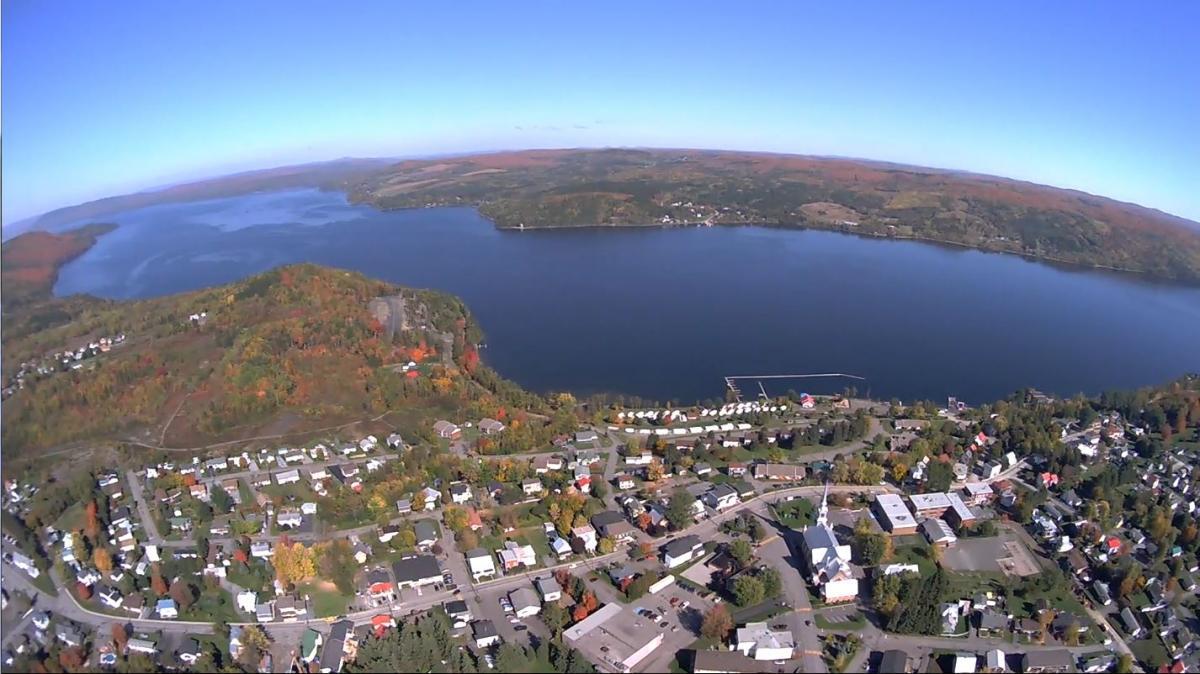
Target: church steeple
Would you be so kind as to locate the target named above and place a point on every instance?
(823, 511)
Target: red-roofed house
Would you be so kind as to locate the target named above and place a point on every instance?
(584, 484)
(1113, 545)
(981, 439)
(807, 401)
(474, 521)
(1047, 480)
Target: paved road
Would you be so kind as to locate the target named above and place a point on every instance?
(135, 490)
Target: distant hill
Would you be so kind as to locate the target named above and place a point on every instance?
(632, 187)
(569, 188)
(336, 174)
(31, 261)
(289, 351)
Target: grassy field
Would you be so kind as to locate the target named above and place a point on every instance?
(796, 513)
(914, 554)
(324, 598)
(1150, 652)
(210, 606)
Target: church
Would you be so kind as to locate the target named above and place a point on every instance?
(828, 561)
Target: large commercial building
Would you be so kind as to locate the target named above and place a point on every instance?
(893, 515)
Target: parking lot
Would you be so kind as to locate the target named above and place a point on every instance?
(1006, 554)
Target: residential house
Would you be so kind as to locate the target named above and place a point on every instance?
(379, 584)
(445, 429)
(525, 602)
(978, 493)
(531, 486)
(1047, 661)
(416, 571)
(460, 492)
(783, 472)
(992, 623)
(484, 633)
(166, 609)
(625, 481)
(1130, 622)
(513, 555)
(721, 496)
(736, 469)
(261, 549)
(894, 661)
(586, 436)
(480, 564)
(289, 519)
(548, 588)
(427, 534)
(587, 535)
(611, 525)
(490, 426)
(458, 611)
(287, 477)
(682, 550)
(310, 645)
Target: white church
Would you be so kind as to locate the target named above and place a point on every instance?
(828, 561)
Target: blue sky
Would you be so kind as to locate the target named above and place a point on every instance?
(102, 98)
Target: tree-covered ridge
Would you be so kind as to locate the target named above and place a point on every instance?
(562, 188)
(296, 343)
(31, 261)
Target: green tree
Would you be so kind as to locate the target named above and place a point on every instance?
(747, 590)
(555, 617)
(741, 551)
(679, 510)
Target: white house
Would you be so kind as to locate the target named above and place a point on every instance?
(287, 477)
(721, 496)
(460, 492)
(758, 641)
(682, 550)
(166, 609)
(586, 534)
(549, 588)
(246, 601)
(261, 549)
(480, 563)
(289, 518)
(531, 486)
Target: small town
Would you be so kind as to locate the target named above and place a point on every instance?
(807, 533)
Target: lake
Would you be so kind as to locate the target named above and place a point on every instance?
(667, 313)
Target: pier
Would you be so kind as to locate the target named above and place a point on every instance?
(731, 380)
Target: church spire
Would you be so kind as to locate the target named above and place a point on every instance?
(823, 511)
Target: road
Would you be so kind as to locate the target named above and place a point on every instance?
(135, 490)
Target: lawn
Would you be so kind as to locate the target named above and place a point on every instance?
(914, 554)
(324, 598)
(71, 519)
(797, 513)
(1150, 652)
(210, 606)
(44, 583)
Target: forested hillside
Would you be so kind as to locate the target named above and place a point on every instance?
(289, 350)
(566, 188)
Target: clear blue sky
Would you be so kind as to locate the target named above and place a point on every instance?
(106, 97)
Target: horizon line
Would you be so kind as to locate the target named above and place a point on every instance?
(159, 187)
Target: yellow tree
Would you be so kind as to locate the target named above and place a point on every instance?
(102, 560)
(293, 562)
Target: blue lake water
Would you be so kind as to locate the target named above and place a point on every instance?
(666, 313)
